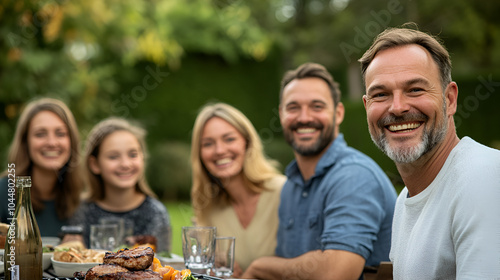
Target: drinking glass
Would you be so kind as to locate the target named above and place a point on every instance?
(103, 237)
(164, 238)
(119, 222)
(198, 248)
(224, 256)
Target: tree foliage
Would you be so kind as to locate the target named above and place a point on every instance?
(159, 60)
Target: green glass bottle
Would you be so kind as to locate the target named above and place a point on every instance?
(23, 250)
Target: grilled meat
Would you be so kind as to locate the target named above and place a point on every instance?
(104, 272)
(139, 275)
(109, 272)
(133, 259)
(80, 275)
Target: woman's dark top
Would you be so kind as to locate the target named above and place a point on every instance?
(48, 221)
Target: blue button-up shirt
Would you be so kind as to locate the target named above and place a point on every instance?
(347, 205)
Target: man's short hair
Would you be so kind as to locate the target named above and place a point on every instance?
(395, 37)
(312, 70)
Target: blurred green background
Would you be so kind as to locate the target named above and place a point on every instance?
(159, 61)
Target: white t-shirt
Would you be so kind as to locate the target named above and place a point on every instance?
(451, 230)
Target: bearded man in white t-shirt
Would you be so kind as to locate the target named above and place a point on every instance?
(446, 223)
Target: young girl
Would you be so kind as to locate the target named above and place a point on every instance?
(115, 162)
(46, 147)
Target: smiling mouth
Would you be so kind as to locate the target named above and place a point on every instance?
(305, 130)
(223, 161)
(51, 153)
(128, 174)
(399, 128)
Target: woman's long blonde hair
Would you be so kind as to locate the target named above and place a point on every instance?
(208, 190)
(69, 183)
(94, 140)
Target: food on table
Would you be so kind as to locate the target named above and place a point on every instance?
(141, 241)
(136, 263)
(138, 258)
(169, 273)
(48, 249)
(76, 244)
(79, 256)
(104, 271)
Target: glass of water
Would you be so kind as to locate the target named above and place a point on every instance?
(104, 237)
(224, 256)
(198, 248)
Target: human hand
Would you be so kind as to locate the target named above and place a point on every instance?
(237, 271)
(72, 237)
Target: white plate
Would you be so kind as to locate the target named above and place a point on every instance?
(173, 259)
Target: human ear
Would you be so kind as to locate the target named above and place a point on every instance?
(339, 114)
(94, 165)
(451, 96)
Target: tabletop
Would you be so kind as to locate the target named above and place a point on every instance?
(47, 276)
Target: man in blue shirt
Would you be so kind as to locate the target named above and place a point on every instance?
(337, 205)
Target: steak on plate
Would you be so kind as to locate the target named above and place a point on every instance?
(105, 272)
(138, 258)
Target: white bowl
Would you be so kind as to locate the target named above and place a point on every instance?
(67, 269)
(46, 262)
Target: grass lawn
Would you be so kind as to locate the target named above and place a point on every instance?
(180, 215)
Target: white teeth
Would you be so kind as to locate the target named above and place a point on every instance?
(223, 161)
(306, 130)
(405, 126)
(51, 153)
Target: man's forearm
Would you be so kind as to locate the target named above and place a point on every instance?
(329, 264)
(268, 268)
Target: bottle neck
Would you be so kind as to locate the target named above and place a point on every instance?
(24, 195)
(24, 201)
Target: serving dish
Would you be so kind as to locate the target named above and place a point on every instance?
(46, 260)
(67, 269)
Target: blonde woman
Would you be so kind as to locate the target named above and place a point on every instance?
(115, 156)
(235, 187)
(46, 147)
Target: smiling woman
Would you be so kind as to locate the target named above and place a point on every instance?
(235, 187)
(46, 147)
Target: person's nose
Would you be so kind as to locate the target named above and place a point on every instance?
(52, 140)
(305, 115)
(220, 148)
(399, 104)
(125, 162)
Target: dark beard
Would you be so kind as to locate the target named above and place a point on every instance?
(325, 138)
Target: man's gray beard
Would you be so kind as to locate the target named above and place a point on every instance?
(410, 154)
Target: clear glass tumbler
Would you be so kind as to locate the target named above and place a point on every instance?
(198, 248)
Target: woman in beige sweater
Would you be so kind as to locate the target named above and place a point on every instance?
(235, 187)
